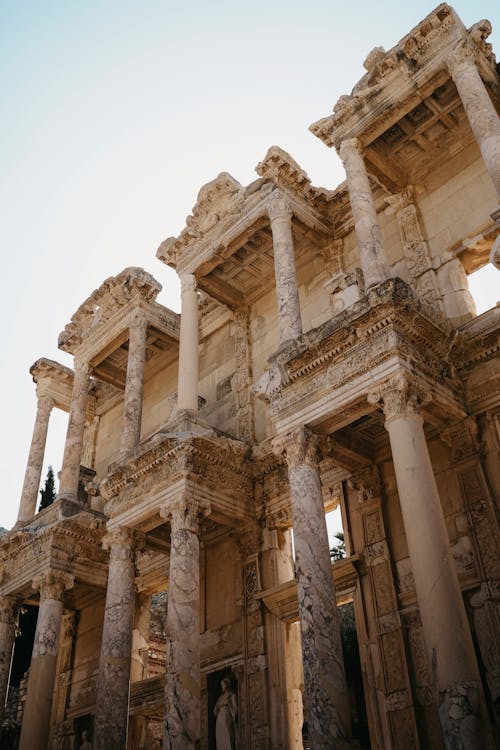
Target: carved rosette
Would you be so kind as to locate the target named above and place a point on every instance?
(299, 447)
(185, 513)
(53, 584)
(400, 396)
(279, 208)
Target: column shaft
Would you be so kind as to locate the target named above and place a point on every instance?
(366, 224)
(7, 637)
(182, 689)
(325, 690)
(68, 486)
(29, 496)
(287, 291)
(479, 109)
(134, 386)
(36, 719)
(187, 387)
(444, 620)
(111, 717)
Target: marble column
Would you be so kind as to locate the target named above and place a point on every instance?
(442, 611)
(134, 386)
(29, 496)
(111, 716)
(182, 688)
(366, 224)
(287, 290)
(70, 475)
(325, 691)
(479, 108)
(187, 386)
(8, 619)
(35, 729)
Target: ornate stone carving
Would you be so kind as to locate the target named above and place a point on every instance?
(401, 395)
(462, 439)
(53, 584)
(299, 447)
(367, 484)
(188, 282)
(279, 208)
(185, 513)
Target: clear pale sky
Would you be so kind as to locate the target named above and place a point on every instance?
(114, 114)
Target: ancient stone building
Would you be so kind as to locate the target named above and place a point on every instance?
(327, 354)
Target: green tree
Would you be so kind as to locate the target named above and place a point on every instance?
(48, 492)
(338, 551)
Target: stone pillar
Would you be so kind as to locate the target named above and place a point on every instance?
(287, 291)
(134, 386)
(325, 691)
(364, 214)
(444, 620)
(479, 108)
(70, 475)
(29, 496)
(8, 619)
(182, 687)
(187, 387)
(37, 711)
(111, 717)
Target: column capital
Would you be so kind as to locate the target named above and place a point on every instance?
(188, 282)
(350, 147)
(52, 584)
(81, 368)
(400, 396)
(185, 512)
(299, 447)
(45, 403)
(8, 610)
(463, 56)
(279, 208)
(120, 542)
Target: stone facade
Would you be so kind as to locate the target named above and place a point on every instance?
(327, 354)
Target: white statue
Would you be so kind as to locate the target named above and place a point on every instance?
(85, 741)
(226, 712)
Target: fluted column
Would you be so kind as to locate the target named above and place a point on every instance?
(325, 691)
(8, 618)
(36, 719)
(187, 387)
(111, 717)
(182, 688)
(29, 496)
(479, 108)
(444, 620)
(366, 224)
(134, 386)
(287, 290)
(68, 486)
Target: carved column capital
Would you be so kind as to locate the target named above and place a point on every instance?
(350, 147)
(400, 396)
(45, 404)
(299, 447)
(8, 610)
(188, 282)
(463, 56)
(279, 208)
(120, 542)
(185, 513)
(53, 584)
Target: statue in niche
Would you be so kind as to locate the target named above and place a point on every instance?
(86, 745)
(226, 712)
